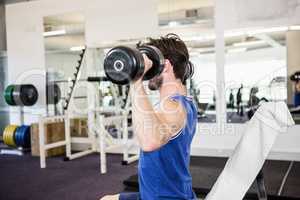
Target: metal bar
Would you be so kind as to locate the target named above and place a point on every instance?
(112, 120)
(53, 119)
(260, 183)
(42, 143)
(132, 159)
(285, 178)
(54, 145)
(81, 140)
(103, 167)
(80, 154)
(125, 138)
(67, 135)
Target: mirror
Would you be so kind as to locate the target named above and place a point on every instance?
(293, 72)
(64, 39)
(255, 70)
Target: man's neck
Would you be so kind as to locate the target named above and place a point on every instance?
(170, 88)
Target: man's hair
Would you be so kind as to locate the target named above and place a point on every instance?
(175, 50)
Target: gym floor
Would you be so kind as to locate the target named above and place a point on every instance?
(79, 179)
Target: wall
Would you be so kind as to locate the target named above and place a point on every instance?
(25, 42)
(245, 13)
(2, 27)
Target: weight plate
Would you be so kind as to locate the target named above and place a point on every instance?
(9, 135)
(25, 95)
(53, 94)
(22, 136)
(8, 95)
(16, 95)
(122, 64)
(29, 95)
(157, 58)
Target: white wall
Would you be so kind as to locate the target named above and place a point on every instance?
(2, 27)
(105, 21)
(245, 13)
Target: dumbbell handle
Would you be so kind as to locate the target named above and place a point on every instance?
(97, 79)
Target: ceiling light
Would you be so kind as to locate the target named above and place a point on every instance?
(294, 28)
(173, 24)
(77, 48)
(54, 33)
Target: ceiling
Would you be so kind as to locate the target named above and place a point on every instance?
(192, 20)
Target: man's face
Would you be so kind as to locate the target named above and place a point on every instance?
(155, 83)
(297, 86)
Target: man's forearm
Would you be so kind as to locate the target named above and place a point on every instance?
(145, 121)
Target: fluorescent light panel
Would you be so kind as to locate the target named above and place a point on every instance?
(295, 28)
(54, 33)
(77, 48)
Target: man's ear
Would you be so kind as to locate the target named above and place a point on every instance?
(168, 65)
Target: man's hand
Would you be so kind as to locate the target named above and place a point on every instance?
(148, 63)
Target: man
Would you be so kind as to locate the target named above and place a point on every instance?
(164, 135)
(239, 101)
(296, 79)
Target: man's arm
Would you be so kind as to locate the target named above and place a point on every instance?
(154, 129)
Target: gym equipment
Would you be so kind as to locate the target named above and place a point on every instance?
(97, 79)
(53, 94)
(25, 95)
(8, 95)
(205, 171)
(22, 136)
(123, 64)
(9, 135)
(295, 77)
(75, 79)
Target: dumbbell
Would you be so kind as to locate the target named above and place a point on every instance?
(123, 64)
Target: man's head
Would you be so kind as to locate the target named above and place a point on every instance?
(177, 65)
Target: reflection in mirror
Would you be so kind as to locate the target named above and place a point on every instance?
(193, 21)
(4, 109)
(293, 71)
(64, 46)
(256, 69)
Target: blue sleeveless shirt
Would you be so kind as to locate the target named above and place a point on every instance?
(164, 173)
(297, 99)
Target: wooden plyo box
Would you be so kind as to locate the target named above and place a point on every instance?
(54, 132)
(78, 127)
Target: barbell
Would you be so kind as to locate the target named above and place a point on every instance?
(123, 64)
(21, 95)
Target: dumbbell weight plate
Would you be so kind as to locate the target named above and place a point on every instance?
(8, 95)
(123, 64)
(157, 58)
(29, 95)
(25, 95)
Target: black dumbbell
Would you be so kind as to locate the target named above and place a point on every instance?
(123, 64)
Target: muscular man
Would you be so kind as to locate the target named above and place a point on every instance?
(164, 135)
